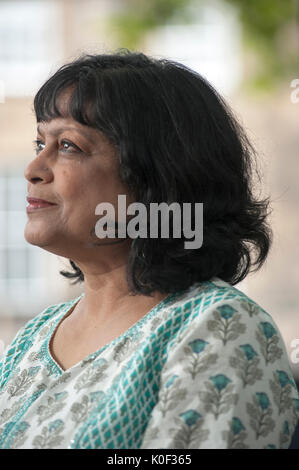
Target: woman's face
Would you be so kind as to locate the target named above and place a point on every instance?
(76, 168)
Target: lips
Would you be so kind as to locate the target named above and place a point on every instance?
(35, 203)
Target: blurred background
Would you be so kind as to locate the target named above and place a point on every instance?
(249, 50)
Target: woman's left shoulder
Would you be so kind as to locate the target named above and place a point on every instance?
(220, 321)
(227, 380)
(230, 353)
(226, 317)
(218, 301)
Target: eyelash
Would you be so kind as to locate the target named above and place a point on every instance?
(64, 141)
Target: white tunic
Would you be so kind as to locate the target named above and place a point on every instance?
(205, 369)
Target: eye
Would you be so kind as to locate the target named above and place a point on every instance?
(38, 145)
(66, 145)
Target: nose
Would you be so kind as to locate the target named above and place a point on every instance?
(37, 171)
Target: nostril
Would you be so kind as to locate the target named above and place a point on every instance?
(36, 179)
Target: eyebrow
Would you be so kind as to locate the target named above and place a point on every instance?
(66, 128)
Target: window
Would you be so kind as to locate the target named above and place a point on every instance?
(21, 273)
(32, 45)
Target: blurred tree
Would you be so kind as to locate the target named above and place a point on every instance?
(270, 31)
(137, 17)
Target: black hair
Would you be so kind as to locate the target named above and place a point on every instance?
(177, 141)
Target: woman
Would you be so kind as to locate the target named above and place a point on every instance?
(160, 351)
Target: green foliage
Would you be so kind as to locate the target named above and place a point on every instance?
(138, 17)
(267, 27)
(262, 19)
(271, 32)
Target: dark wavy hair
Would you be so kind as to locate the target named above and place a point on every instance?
(177, 141)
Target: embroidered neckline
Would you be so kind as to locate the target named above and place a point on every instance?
(55, 368)
(45, 355)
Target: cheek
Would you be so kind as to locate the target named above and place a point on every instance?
(82, 188)
(80, 191)
(68, 184)
(76, 192)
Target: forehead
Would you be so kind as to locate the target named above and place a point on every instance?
(58, 125)
(62, 100)
(66, 122)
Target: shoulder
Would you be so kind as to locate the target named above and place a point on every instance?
(230, 368)
(218, 314)
(217, 301)
(204, 296)
(220, 310)
(24, 338)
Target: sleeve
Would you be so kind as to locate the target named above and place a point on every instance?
(226, 384)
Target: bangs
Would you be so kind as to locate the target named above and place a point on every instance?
(84, 85)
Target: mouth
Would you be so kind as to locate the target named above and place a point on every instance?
(38, 204)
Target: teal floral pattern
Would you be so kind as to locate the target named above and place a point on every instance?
(251, 308)
(219, 395)
(92, 375)
(284, 434)
(236, 435)
(50, 436)
(124, 348)
(81, 410)
(198, 358)
(54, 404)
(171, 394)
(205, 369)
(260, 412)
(18, 436)
(246, 362)
(281, 387)
(188, 431)
(226, 324)
(8, 413)
(22, 382)
(295, 412)
(269, 342)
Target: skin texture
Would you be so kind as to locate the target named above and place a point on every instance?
(76, 181)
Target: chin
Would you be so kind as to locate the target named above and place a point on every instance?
(34, 239)
(37, 236)
(48, 240)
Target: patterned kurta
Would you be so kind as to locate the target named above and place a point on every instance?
(204, 369)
